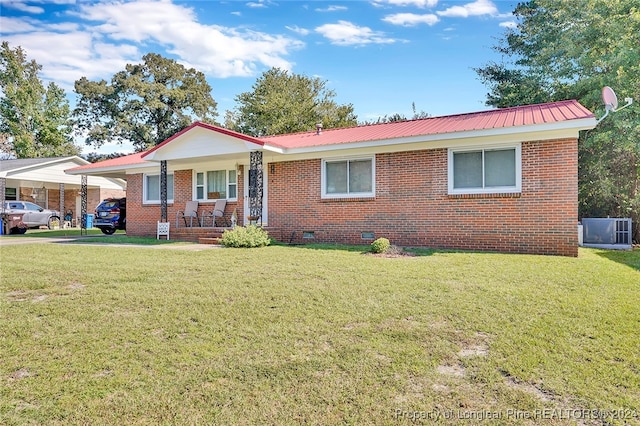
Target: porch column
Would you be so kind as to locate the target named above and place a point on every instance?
(62, 209)
(3, 189)
(163, 191)
(255, 186)
(83, 204)
(3, 186)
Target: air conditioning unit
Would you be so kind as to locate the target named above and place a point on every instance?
(614, 233)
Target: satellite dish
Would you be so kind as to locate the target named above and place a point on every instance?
(611, 101)
(609, 98)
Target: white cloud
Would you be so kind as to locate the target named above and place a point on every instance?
(298, 30)
(477, 8)
(11, 25)
(54, 1)
(257, 5)
(22, 6)
(216, 50)
(332, 9)
(103, 37)
(345, 33)
(64, 26)
(411, 19)
(508, 24)
(414, 3)
(65, 57)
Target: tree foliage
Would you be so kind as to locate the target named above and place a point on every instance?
(144, 104)
(286, 103)
(34, 120)
(395, 117)
(570, 50)
(94, 157)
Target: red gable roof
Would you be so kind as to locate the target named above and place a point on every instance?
(500, 118)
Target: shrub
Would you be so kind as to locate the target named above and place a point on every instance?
(381, 245)
(249, 236)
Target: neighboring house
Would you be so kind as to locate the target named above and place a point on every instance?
(501, 180)
(44, 182)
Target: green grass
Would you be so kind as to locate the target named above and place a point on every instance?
(313, 335)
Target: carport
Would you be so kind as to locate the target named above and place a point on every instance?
(44, 182)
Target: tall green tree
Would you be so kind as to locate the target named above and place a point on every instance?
(144, 104)
(34, 120)
(570, 50)
(283, 102)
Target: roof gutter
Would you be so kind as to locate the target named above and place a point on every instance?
(563, 129)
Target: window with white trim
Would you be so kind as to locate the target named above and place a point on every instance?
(485, 170)
(10, 194)
(216, 184)
(353, 177)
(151, 189)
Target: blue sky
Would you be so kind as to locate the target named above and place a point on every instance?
(379, 55)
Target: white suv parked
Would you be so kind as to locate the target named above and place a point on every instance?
(33, 215)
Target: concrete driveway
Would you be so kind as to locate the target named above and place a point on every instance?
(10, 240)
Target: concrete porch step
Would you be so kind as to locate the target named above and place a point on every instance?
(206, 235)
(196, 233)
(209, 240)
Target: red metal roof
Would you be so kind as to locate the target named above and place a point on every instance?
(126, 160)
(554, 112)
(500, 118)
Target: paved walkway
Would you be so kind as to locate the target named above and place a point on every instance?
(8, 240)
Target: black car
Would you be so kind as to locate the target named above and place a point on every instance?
(111, 215)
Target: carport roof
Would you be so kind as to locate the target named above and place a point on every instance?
(23, 163)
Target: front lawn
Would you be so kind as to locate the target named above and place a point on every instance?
(309, 335)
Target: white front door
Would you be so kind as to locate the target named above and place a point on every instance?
(265, 216)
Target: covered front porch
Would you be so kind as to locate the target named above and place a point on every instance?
(198, 169)
(207, 173)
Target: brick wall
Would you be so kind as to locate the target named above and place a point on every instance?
(142, 219)
(94, 197)
(412, 207)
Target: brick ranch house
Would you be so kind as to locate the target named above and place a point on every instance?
(500, 180)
